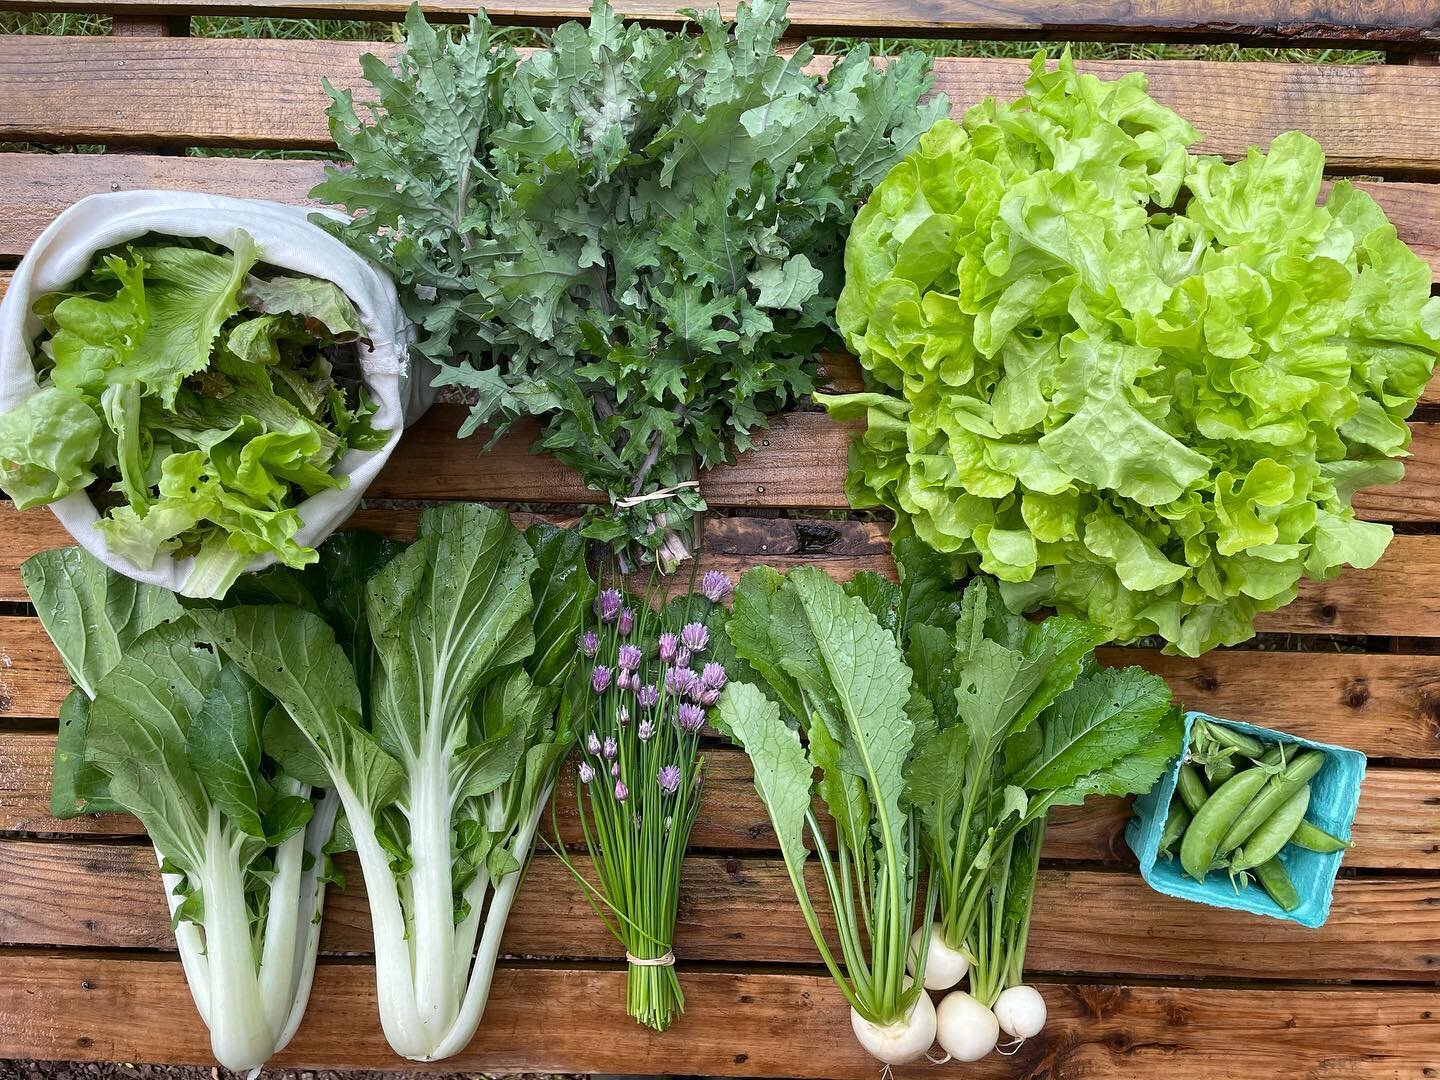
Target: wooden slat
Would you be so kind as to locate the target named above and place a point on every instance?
(1387, 705)
(1400, 596)
(1383, 929)
(214, 92)
(1352, 23)
(799, 462)
(763, 1025)
(39, 186)
(1397, 828)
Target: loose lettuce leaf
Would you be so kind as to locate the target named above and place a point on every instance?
(48, 446)
(210, 420)
(1132, 383)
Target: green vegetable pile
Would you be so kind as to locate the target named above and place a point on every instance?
(634, 235)
(1130, 382)
(198, 396)
(942, 729)
(1241, 813)
(160, 726)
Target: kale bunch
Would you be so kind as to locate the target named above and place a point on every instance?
(634, 235)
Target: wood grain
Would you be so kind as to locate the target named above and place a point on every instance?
(265, 92)
(1397, 827)
(1386, 705)
(798, 462)
(41, 185)
(109, 896)
(1399, 596)
(1353, 23)
(738, 1024)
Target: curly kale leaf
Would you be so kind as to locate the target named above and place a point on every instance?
(635, 235)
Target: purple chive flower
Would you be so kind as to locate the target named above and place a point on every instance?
(690, 718)
(646, 730)
(669, 779)
(627, 622)
(647, 696)
(682, 658)
(679, 680)
(609, 750)
(694, 636)
(622, 716)
(587, 773)
(709, 698)
(608, 604)
(630, 657)
(625, 680)
(621, 791)
(715, 586)
(615, 769)
(713, 677)
(593, 743)
(589, 643)
(600, 679)
(668, 644)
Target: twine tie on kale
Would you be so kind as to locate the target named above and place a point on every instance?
(663, 493)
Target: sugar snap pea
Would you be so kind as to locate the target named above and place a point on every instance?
(1214, 818)
(1277, 883)
(1280, 790)
(1217, 772)
(1266, 841)
(1175, 823)
(1313, 838)
(1248, 745)
(1192, 789)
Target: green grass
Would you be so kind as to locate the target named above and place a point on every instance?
(363, 30)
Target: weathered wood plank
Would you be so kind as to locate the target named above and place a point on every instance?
(109, 896)
(41, 185)
(1397, 828)
(1352, 23)
(1400, 596)
(798, 462)
(762, 1025)
(265, 92)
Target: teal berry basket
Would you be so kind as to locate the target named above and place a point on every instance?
(1334, 796)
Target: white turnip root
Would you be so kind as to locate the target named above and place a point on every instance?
(904, 1040)
(1020, 1011)
(966, 1028)
(944, 966)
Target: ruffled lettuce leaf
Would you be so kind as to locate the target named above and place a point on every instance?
(1129, 382)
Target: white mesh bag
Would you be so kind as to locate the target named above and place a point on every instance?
(287, 240)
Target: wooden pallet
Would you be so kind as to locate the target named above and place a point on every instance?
(1138, 985)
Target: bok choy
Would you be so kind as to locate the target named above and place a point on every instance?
(160, 726)
(444, 768)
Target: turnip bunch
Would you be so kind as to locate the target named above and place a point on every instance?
(1019, 719)
(652, 685)
(823, 661)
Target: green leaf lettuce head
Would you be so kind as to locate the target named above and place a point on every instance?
(197, 398)
(634, 235)
(1130, 382)
(160, 726)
